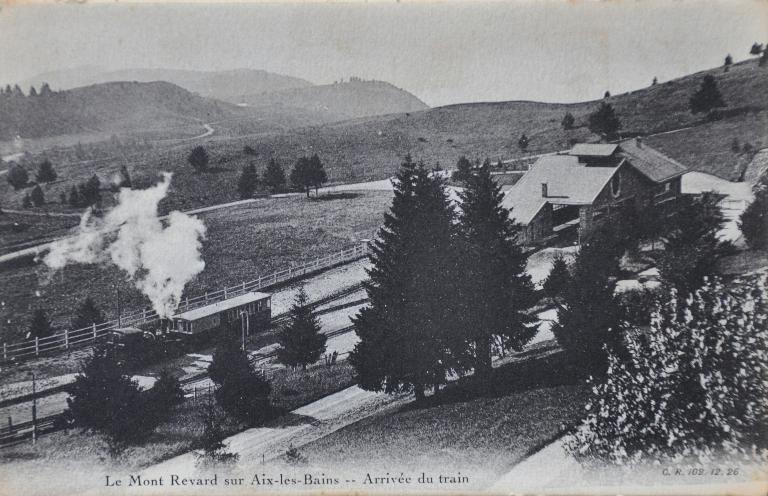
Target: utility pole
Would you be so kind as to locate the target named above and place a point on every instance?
(119, 307)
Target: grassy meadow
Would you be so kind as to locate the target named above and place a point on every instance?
(242, 243)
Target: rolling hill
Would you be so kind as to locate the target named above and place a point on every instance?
(110, 107)
(339, 101)
(228, 86)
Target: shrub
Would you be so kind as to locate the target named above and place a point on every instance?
(248, 181)
(40, 326)
(523, 142)
(213, 452)
(17, 176)
(753, 221)
(26, 202)
(165, 394)
(198, 158)
(691, 386)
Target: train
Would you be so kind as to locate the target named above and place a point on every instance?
(242, 315)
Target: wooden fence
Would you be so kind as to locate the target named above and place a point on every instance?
(67, 340)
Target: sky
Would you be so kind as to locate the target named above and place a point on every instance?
(446, 52)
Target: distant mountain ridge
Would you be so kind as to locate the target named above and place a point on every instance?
(346, 100)
(110, 107)
(229, 85)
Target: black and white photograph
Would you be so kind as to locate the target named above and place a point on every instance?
(451, 247)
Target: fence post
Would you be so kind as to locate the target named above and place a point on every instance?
(37, 346)
(66, 339)
(94, 333)
(243, 286)
(225, 293)
(206, 296)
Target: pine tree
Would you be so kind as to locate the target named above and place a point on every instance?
(241, 392)
(691, 245)
(40, 325)
(301, 175)
(707, 98)
(274, 176)
(213, 452)
(37, 196)
(301, 342)
(463, 169)
(87, 315)
(104, 397)
(45, 172)
(198, 158)
(412, 288)
(125, 178)
(17, 176)
(604, 121)
(249, 180)
(587, 318)
(496, 290)
(317, 173)
(26, 202)
(558, 277)
(568, 121)
(522, 143)
(74, 197)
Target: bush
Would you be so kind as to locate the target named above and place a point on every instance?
(523, 142)
(753, 221)
(213, 452)
(689, 387)
(165, 394)
(26, 202)
(198, 158)
(17, 176)
(40, 326)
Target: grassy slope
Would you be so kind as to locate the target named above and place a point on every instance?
(242, 243)
(483, 435)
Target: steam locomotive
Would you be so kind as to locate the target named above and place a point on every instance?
(242, 315)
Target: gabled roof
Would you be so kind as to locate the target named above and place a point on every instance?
(592, 150)
(651, 163)
(221, 306)
(568, 183)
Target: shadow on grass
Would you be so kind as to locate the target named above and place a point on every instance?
(336, 196)
(289, 419)
(536, 373)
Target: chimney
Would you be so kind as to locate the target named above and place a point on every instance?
(544, 192)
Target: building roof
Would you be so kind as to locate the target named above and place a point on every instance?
(568, 183)
(221, 306)
(592, 150)
(651, 163)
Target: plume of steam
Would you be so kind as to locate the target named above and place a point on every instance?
(160, 260)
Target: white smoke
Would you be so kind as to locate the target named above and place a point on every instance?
(160, 260)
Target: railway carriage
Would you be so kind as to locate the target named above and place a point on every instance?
(244, 314)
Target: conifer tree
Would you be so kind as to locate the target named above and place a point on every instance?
(301, 342)
(463, 169)
(45, 172)
(317, 173)
(248, 181)
(587, 318)
(604, 121)
(404, 331)
(40, 325)
(37, 196)
(496, 290)
(241, 392)
(213, 452)
(568, 121)
(707, 98)
(274, 176)
(301, 175)
(125, 178)
(558, 277)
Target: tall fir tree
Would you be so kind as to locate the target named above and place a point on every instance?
(496, 290)
(301, 342)
(248, 181)
(707, 98)
(405, 330)
(274, 176)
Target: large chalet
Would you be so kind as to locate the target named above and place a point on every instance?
(573, 190)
